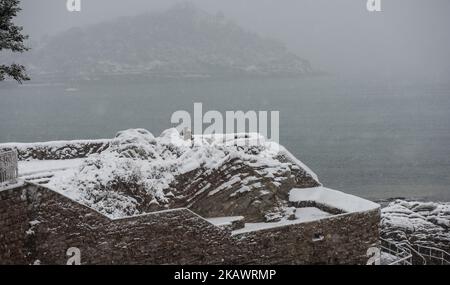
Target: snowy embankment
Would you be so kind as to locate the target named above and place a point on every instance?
(422, 223)
(136, 173)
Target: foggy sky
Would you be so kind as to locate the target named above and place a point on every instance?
(409, 38)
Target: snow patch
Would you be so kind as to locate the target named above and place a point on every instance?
(332, 198)
(224, 221)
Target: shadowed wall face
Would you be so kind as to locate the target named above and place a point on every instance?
(38, 226)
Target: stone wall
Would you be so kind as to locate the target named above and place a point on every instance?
(38, 225)
(57, 149)
(14, 222)
(343, 239)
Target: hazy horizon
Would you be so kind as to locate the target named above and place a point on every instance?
(408, 38)
(382, 133)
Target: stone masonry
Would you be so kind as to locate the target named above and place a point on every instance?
(38, 226)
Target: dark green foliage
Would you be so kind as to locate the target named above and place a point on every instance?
(11, 38)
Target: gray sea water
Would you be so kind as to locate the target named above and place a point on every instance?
(376, 139)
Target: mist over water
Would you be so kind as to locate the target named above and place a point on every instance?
(409, 38)
(376, 126)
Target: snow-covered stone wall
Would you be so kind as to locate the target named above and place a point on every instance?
(56, 149)
(39, 225)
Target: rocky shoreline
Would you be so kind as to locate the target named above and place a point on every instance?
(417, 223)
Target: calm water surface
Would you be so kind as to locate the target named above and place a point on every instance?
(377, 139)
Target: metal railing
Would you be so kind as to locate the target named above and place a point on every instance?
(434, 256)
(407, 254)
(401, 254)
(417, 258)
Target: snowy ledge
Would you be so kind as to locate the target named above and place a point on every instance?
(224, 221)
(333, 199)
(11, 185)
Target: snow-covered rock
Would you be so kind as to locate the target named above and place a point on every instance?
(140, 173)
(424, 223)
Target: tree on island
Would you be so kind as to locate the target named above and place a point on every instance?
(11, 38)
